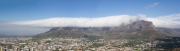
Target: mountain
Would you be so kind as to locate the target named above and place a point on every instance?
(135, 30)
(170, 31)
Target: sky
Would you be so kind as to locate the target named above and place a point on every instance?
(22, 16)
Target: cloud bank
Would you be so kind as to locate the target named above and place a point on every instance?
(81, 22)
(169, 21)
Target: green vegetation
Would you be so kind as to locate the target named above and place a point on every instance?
(59, 34)
(48, 42)
(66, 42)
(132, 43)
(169, 44)
(92, 37)
(36, 40)
(95, 45)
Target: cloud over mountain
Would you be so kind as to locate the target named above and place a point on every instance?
(40, 26)
(170, 21)
(81, 22)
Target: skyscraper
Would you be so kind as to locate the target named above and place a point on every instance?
(1, 48)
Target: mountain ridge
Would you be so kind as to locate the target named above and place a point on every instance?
(138, 30)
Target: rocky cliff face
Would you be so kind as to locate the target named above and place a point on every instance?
(139, 29)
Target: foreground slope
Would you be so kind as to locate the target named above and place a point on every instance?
(135, 30)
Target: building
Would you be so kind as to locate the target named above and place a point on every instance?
(1, 48)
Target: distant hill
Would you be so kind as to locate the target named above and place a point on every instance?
(4, 35)
(136, 30)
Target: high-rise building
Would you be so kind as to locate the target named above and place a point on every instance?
(1, 48)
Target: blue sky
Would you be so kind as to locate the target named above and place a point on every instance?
(21, 10)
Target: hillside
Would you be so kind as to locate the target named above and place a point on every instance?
(170, 31)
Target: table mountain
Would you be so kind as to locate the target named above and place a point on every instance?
(135, 30)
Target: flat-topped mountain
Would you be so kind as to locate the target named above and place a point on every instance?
(135, 30)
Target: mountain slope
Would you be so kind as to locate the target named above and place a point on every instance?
(135, 30)
(170, 31)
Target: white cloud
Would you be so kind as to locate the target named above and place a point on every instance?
(81, 22)
(173, 17)
(152, 5)
(164, 23)
(169, 21)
